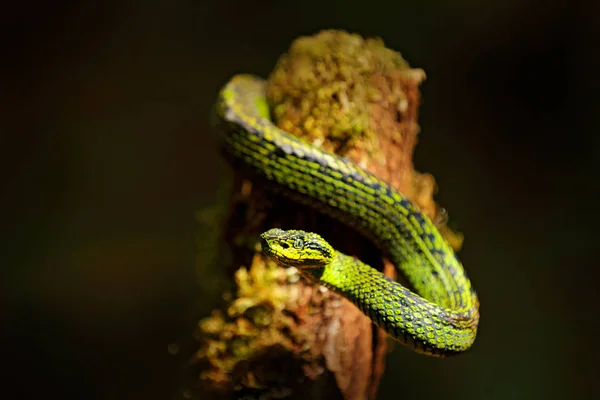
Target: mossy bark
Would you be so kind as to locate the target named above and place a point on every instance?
(281, 337)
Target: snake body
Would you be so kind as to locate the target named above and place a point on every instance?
(440, 318)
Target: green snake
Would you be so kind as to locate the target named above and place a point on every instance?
(440, 317)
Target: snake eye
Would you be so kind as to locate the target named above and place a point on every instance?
(298, 244)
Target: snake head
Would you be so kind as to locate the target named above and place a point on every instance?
(296, 248)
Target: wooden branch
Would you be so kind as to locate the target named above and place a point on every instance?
(280, 336)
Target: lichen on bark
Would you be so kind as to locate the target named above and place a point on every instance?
(280, 336)
(322, 89)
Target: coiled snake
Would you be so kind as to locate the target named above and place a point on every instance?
(441, 318)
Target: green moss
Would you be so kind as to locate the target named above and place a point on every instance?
(259, 317)
(322, 88)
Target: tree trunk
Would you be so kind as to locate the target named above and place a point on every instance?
(280, 336)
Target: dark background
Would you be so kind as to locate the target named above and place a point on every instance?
(106, 155)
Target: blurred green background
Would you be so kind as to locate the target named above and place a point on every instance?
(106, 156)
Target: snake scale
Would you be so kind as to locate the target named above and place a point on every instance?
(440, 317)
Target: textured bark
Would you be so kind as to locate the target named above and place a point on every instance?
(308, 342)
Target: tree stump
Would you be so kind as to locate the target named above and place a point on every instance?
(281, 337)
